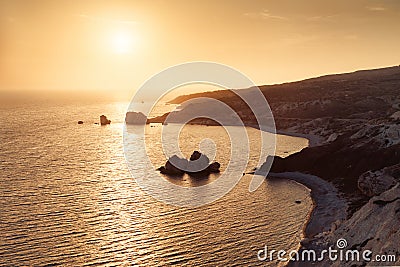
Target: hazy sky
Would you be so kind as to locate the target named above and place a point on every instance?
(117, 45)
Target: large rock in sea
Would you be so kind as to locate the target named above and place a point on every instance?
(174, 166)
(198, 164)
(104, 120)
(135, 118)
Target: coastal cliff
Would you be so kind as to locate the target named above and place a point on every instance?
(374, 227)
(356, 118)
(352, 114)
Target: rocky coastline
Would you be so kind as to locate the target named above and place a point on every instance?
(366, 221)
(353, 124)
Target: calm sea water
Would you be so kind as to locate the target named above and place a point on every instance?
(68, 199)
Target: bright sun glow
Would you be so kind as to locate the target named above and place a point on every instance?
(122, 42)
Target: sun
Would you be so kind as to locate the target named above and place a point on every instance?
(122, 42)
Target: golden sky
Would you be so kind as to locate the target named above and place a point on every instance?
(117, 45)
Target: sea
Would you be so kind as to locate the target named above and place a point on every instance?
(67, 197)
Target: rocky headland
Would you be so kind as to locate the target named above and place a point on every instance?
(353, 120)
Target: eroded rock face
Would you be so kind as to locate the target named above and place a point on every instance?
(396, 116)
(374, 183)
(385, 134)
(374, 227)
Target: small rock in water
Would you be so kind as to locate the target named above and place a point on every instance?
(104, 120)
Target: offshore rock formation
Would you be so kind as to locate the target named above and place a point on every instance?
(135, 118)
(197, 164)
(104, 120)
(170, 166)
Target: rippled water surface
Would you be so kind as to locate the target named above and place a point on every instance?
(68, 199)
